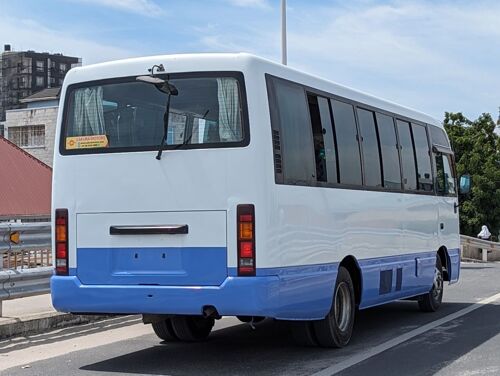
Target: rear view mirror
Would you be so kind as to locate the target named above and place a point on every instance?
(465, 184)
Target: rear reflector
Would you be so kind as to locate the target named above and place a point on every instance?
(246, 239)
(62, 242)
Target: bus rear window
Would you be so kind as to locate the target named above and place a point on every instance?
(127, 115)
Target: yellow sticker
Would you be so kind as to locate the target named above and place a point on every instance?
(87, 142)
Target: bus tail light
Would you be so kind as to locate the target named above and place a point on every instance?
(62, 249)
(246, 239)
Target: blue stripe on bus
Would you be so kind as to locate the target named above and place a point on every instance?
(291, 293)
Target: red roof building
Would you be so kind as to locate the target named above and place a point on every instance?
(25, 184)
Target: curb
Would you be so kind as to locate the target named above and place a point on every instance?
(42, 322)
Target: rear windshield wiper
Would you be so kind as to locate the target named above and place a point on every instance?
(165, 87)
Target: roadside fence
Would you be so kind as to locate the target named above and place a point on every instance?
(26, 260)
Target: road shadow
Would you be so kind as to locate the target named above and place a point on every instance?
(239, 350)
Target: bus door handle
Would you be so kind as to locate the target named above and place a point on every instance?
(441, 226)
(149, 230)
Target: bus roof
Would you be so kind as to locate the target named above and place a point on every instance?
(177, 63)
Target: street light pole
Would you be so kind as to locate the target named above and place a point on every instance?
(283, 32)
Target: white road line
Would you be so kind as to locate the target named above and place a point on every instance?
(358, 358)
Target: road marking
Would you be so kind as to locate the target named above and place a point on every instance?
(59, 344)
(402, 338)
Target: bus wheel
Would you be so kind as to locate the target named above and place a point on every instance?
(335, 330)
(192, 328)
(163, 329)
(303, 333)
(431, 301)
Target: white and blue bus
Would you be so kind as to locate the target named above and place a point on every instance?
(191, 187)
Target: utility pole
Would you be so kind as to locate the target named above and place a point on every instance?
(283, 32)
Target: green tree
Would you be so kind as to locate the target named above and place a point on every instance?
(477, 152)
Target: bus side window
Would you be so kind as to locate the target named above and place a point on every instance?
(389, 149)
(324, 147)
(424, 169)
(407, 156)
(347, 142)
(445, 178)
(371, 150)
(289, 115)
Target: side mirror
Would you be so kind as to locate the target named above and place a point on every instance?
(465, 184)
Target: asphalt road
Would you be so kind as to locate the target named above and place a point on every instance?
(463, 338)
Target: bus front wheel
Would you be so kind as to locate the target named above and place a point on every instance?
(335, 330)
(431, 301)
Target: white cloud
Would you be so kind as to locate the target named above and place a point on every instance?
(433, 56)
(26, 34)
(264, 4)
(143, 7)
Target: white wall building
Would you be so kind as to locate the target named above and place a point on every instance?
(33, 128)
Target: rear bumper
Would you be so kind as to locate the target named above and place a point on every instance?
(283, 297)
(236, 296)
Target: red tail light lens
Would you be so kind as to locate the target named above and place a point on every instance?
(246, 239)
(61, 252)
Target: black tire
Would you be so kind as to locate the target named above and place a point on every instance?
(431, 301)
(303, 333)
(335, 330)
(163, 329)
(192, 328)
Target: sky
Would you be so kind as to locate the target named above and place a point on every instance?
(434, 56)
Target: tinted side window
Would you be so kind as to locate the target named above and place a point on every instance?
(347, 143)
(424, 170)
(445, 179)
(438, 136)
(371, 156)
(324, 144)
(389, 149)
(296, 137)
(407, 156)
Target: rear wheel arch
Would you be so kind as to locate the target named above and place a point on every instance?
(352, 266)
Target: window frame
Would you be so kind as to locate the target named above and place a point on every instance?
(130, 149)
(356, 104)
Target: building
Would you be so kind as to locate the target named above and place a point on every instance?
(23, 73)
(25, 192)
(33, 128)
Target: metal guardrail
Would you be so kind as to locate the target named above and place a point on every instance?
(25, 262)
(23, 283)
(479, 248)
(25, 245)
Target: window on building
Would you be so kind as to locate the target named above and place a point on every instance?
(1, 130)
(389, 148)
(290, 117)
(27, 136)
(62, 67)
(347, 143)
(371, 154)
(40, 81)
(424, 169)
(52, 80)
(407, 156)
(39, 66)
